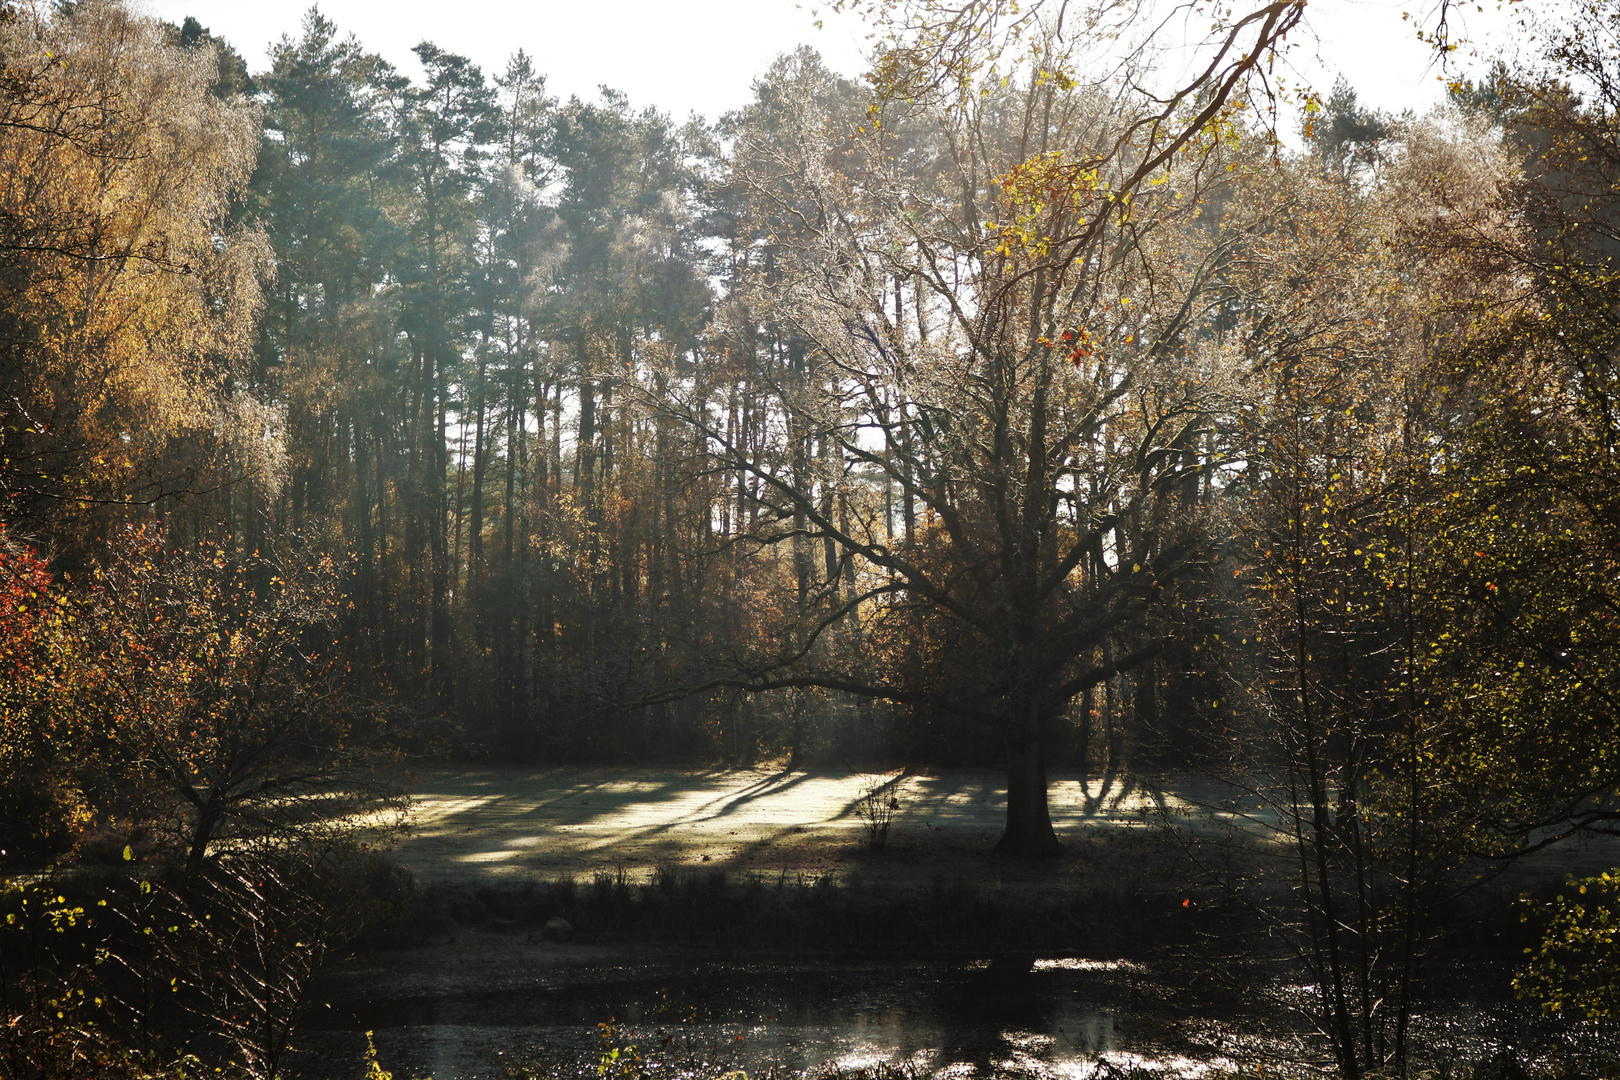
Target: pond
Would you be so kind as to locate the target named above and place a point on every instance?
(1017, 1014)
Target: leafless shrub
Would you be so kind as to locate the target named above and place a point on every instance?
(877, 805)
(240, 941)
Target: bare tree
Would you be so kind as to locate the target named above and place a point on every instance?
(992, 282)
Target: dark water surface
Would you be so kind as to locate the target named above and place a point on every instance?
(1027, 1015)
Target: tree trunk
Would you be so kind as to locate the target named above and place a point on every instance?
(475, 530)
(209, 814)
(442, 661)
(1029, 833)
(1083, 750)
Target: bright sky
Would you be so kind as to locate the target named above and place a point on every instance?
(678, 55)
(1378, 51)
(702, 55)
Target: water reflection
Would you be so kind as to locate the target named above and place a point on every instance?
(1024, 1015)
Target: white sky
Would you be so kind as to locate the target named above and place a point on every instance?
(702, 55)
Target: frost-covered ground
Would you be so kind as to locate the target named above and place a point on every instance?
(494, 824)
(582, 821)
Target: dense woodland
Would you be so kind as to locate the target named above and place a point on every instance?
(1009, 405)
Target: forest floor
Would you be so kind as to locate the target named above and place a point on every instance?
(491, 826)
(503, 826)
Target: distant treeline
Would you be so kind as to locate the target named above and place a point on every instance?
(1007, 405)
(472, 295)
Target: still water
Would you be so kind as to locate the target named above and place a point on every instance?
(1027, 1015)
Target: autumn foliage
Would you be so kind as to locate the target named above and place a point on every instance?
(41, 805)
(966, 413)
(129, 299)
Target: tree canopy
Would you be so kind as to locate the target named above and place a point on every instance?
(1009, 406)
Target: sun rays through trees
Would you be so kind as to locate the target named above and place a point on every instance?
(1025, 403)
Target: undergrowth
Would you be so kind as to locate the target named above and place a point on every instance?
(713, 907)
